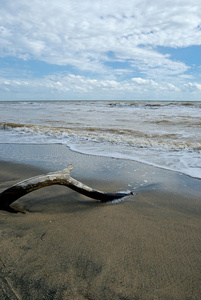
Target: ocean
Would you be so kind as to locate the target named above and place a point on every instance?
(162, 134)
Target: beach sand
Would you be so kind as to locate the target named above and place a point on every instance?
(67, 246)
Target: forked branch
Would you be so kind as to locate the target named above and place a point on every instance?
(60, 178)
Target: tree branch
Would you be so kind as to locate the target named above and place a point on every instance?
(60, 178)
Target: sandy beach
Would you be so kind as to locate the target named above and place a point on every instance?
(68, 246)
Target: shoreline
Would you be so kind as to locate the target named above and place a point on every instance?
(55, 157)
(10, 146)
(68, 246)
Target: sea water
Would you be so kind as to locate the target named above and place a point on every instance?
(163, 134)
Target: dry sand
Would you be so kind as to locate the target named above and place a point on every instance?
(68, 246)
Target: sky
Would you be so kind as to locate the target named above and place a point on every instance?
(100, 50)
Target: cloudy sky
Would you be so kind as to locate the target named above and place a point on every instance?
(100, 49)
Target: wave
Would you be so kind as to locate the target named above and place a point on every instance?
(165, 134)
(155, 105)
(129, 137)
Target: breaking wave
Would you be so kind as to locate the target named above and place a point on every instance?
(162, 134)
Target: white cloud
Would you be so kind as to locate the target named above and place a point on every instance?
(79, 87)
(193, 86)
(110, 39)
(173, 87)
(80, 32)
(142, 81)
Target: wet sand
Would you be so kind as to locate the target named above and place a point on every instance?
(67, 246)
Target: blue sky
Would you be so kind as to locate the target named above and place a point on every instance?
(100, 50)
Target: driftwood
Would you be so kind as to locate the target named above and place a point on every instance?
(60, 178)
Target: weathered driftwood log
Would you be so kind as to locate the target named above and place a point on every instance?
(60, 178)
